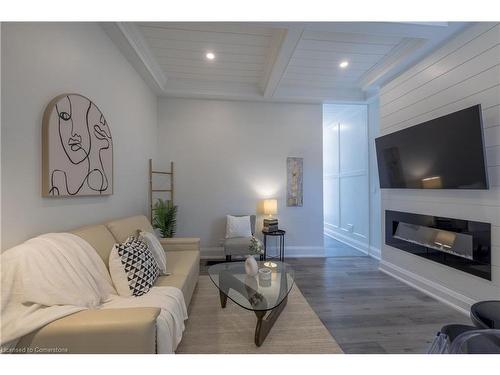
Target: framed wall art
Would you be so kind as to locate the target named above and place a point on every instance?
(294, 183)
(77, 149)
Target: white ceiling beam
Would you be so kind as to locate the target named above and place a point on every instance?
(289, 42)
(319, 94)
(282, 53)
(223, 27)
(130, 42)
(188, 88)
(388, 65)
(401, 29)
(232, 91)
(430, 23)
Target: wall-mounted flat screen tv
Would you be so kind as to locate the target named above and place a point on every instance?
(444, 153)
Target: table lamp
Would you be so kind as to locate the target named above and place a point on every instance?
(270, 207)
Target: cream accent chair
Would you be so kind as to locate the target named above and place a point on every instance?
(239, 246)
(130, 330)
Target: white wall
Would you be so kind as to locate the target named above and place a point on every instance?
(346, 174)
(40, 61)
(0, 135)
(230, 154)
(462, 73)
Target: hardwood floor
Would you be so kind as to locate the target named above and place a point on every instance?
(335, 248)
(367, 311)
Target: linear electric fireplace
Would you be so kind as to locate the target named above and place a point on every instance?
(461, 244)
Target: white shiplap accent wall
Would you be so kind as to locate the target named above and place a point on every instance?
(462, 73)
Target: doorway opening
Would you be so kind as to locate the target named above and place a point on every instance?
(346, 180)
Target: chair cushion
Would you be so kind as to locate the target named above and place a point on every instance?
(237, 246)
(126, 227)
(238, 226)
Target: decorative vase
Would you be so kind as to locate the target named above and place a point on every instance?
(251, 266)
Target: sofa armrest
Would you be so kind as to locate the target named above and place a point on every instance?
(128, 330)
(180, 244)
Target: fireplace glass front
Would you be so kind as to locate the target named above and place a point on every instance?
(457, 243)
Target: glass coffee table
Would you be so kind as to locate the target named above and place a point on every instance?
(260, 294)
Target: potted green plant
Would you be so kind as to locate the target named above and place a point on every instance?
(164, 217)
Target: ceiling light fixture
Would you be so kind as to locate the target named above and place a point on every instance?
(210, 56)
(344, 64)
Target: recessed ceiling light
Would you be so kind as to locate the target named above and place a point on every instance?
(210, 56)
(344, 64)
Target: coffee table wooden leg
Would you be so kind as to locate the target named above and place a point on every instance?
(264, 325)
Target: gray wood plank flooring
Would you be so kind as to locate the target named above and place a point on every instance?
(367, 311)
(335, 248)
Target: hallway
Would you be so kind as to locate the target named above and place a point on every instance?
(335, 248)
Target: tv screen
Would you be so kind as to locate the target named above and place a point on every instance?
(444, 153)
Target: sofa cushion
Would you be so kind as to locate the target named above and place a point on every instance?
(156, 249)
(184, 268)
(178, 281)
(237, 246)
(128, 330)
(99, 237)
(133, 267)
(128, 226)
(181, 263)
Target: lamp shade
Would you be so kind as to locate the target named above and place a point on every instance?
(270, 206)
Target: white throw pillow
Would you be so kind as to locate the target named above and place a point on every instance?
(157, 250)
(238, 226)
(132, 267)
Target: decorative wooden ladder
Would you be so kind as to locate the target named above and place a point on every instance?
(151, 190)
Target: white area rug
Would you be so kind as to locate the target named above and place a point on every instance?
(212, 329)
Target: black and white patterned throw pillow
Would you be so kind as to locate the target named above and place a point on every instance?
(133, 267)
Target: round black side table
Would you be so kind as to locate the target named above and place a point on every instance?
(281, 237)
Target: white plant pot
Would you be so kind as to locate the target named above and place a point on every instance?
(251, 266)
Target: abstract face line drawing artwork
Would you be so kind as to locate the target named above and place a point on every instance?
(77, 149)
(294, 183)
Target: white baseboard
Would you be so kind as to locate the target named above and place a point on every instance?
(456, 300)
(372, 251)
(375, 252)
(290, 252)
(304, 252)
(358, 245)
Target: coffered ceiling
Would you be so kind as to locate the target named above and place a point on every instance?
(275, 61)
